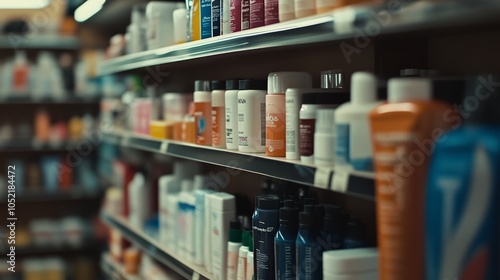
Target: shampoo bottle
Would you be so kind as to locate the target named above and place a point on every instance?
(251, 116)
(277, 84)
(203, 112)
(242, 256)
(223, 211)
(353, 149)
(309, 251)
(333, 228)
(403, 133)
(139, 201)
(218, 114)
(231, 102)
(267, 225)
(185, 210)
(462, 211)
(233, 250)
(201, 184)
(284, 242)
(355, 235)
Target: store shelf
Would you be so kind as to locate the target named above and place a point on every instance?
(345, 23)
(42, 42)
(70, 196)
(37, 250)
(114, 270)
(353, 183)
(19, 146)
(26, 99)
(153, 248)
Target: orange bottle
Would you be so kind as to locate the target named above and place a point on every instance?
(42, 126)
(203, 112)
(404, 131)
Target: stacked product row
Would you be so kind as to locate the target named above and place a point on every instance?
(162, 24)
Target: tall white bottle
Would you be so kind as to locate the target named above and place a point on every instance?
(353, 147)
(139, 198)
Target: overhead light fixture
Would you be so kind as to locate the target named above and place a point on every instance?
(88, 9)
(24, 4)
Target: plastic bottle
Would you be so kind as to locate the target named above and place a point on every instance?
(160, 20)
(353, 264)
(185, 217)
(285, 240)
(206, 18)
(255, 232)
(20, 69)
(304, 8)
(225, 17)
(251, 116)
(216, 17)
(398, 130)
(309, 251)
(353, 149)
(324, 137)
(242, 256)
(277, 84)
(231, 102)
(271, 12)
(180, 26)
(223, 211)
(139, 201)
(218, 114)
(235, 15)
(355, 235)
(257, 13)
(195, 20)
(208, 234)
(461, 201)
(333, 228)
(249, 275)
(266, 227)
(201, 184)
(233, 249)
(286, 10)
(203, 112)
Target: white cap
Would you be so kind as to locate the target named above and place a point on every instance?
(363, 88)
(279, 82)
(222, 202)
(187, 185)
(325, 119)
(409, 89)
(184, 169)
(350, 261)
(139, 178)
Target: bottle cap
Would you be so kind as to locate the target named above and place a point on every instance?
(232, 84)
(289, 213)
(269, 202)
(279, 82)
(200, 85)
(308, 218)
(355, 229)
(409, 89)
(332, 78)
(253, 84)
(333, 222)
(218, 85)
(235, 232)
(250, 242)
(409, 73)
(485, 92)
(363, 88)
(245, 237)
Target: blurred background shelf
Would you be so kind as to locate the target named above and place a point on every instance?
(19, 146)
(89, 247)
(67, 99)
(46, 42)
(359, 184)
(342, 24)
(154, 249)
(70, 196)
(114, 270)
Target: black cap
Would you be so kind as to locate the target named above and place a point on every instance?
(326, 98)
(218, 85)
(334, 221)
(289, 213)
(355, 229)
(232, 84)
(482, 100)
(253, 84)
(269, 202)
(308, 218)
(200, 85)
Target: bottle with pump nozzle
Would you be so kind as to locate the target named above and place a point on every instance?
(265, 228)
(309, 251)
(284, 242)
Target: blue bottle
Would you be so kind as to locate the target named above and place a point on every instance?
(355, 235)
(284, 243)
(462, 234)
(265, 224)
(333, 228)
(309, 250)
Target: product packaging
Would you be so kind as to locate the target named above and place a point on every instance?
(161, 23)
(353, 264)
(257, 13)
(265, 229)
(309, 251)
(233, 249)
(284, 242)
(218, 114)
(251, 116)
(231, 102)
(203, 112)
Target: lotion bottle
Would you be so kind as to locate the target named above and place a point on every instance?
(203, 112)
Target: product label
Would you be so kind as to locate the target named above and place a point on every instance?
(203, 115)
(195, 21)
(271, 12)
(249, 274)
(342, 144)
(309, 261)
(232, 264)
(264, 252)
(242, 268)
(291, 126)
(218, 127)
(285, 260)
(229, 125)
(206, 18)
(216, 17)
(242, 137)
(275, 126)
(286, 7)
(256, 13)
(245, 14)
(235, 19)
(306, 130)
